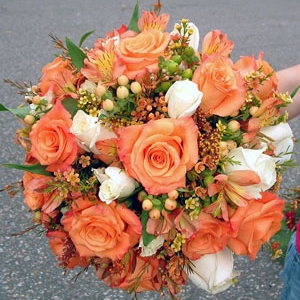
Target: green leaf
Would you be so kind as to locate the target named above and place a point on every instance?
(147, 238)
(76, 54)
(36, 168)
(84, 37)
(134, 19)
(70, 105)
(20, 112)
(295, 91)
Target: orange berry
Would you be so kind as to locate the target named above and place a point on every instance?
(154, 213)
(170, 204)
(147, 205)
(173, 195)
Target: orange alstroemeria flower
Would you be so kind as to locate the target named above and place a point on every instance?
(230, 190)
(216, 41)
(149, 20)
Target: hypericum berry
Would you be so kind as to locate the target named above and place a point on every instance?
(189, 51)
(147, 205)
(253, 110)
(100, 90)
(170, 204)
(29, 119)
(165, 85)
(187, 74)
(36, 100)
(141, 195)
(135, 87)
(123, 80)
(173, 195)
(122, 92)
(177, 58)
(154, 213)
(234, 125)
(108, 105)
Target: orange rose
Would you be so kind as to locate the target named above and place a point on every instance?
(136, 269)
(159, 153)
(102, 230)
(255, 224)
(247, 64)
(140, 53)
(58, 242)
(216, 41)
(34, 184)
(222, 86)
(52, 143)
(211, 237)
(58, 78)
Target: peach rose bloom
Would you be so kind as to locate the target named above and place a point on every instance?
(143, 270)
(139, 54)
(255, 224)
(59, 79)
(52, 143)
(247, 64)
(102, 230)
(216, 41)
(159, 153)
(211, 237)
(34, 184)
(57, 242)
(222, 86)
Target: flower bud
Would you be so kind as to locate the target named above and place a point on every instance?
(122, 92)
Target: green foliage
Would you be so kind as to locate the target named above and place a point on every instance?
(147, 238)
(76, 54)
(20, 112)
(134, 19)
(36, 168)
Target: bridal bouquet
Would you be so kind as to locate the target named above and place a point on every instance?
(152, 157)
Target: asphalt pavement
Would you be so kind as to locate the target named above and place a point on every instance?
(27, 267)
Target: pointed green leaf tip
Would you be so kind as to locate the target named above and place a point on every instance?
(20, 112)
(76, 54)
(36, 169)
(134, 19)
(147, 238)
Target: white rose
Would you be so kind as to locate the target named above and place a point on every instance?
(152, 247)
(115, 183)
(183, 98)
(282, 137)
(254, 160)
(194, 38)
(88, 130)
(214, 272)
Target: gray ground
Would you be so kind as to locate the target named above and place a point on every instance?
(27, 267)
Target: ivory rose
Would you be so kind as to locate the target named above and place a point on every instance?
(115, 183)
(88, 131)
(183, 98)
(52, 143)
(222, 86)
(282, 139)
(211, 237)
(254, 160)
(255, 224)
(214, 272)
(102, 230)
(139, 54)
(159, 153)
